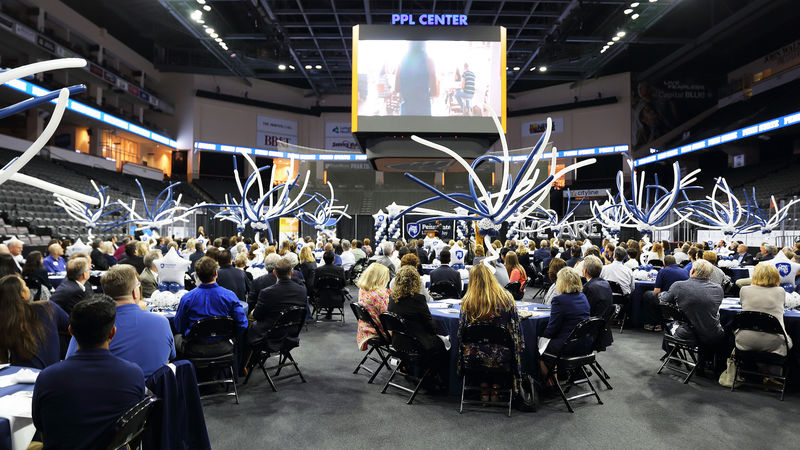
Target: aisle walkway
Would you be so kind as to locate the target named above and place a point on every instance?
(337, 409)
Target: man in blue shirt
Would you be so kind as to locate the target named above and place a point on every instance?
(142, 337)
(207, 300)
(671, 273)
(54, 263)
(76, 402)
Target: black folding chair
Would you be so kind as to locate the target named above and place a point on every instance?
(621, 299)
(610, 314)
(515, 288)
(330, 295)
(486, 334)
(280, 340)
(128, 429)
(214, 328)
(406, 348)
(378, 344)
(573, 366)
(532, 273)
(656, 263)
(679, 350)
(444, 289)
(747, 362)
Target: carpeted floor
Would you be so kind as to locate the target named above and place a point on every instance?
(336, 409)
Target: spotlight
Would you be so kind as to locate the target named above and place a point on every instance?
(282, 67)
(610, 43)
(543, 69)
(318, 67)
(218, 39)
(516, 68)
(201, 21)
(627, 11)
(207, 8)
(621, 33)
(202, 2)
(291, 67)
(533, 68)
(214, 35)
(196, 15)
(634, 4)
(308, 66)
(209, 30)
(634, 17)
(615, 38)
(604, 50)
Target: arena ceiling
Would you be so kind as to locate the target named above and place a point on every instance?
(307, 44)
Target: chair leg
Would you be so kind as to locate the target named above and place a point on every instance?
(591, 386)
(694, 368)
(384, 363)
(391, 377)
(463, 389)
(736, 375)
(419, 384)
(359, 366)
(235, 390)
(551, 376)
(296, 367)
(667, 359)
(622, 322)
(601, 374)
(269, 378)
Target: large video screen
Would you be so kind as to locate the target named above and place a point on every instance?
(428, 79)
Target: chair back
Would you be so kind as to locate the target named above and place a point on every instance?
(515, 288)
(444, 289)
(485, 334)
(656, 263)
(131, 424)
(405, 344)
(212, 327)
(288, 325)
(329, 291)
(616, 288)
(671, 313)
(363, 315)
(587, 331)
(759, 321)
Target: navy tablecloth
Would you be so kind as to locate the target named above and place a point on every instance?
(5, 427)
(635, 316)
(530, 327)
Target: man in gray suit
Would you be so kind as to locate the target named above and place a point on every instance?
(699, 299)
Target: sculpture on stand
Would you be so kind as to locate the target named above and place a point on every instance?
(93, 216)
(164, 211)
(325, 215)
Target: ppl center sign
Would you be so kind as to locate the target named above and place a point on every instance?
(430, 19)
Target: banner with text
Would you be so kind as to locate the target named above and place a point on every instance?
(538, 127)
(337, 129)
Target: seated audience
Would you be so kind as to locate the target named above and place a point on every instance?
(542, 253)
(744, 258)
(77, 401)
(308, 264)
(142, 337)
(666, 277)
(108, 253)
(273, 300)
(29, 330)
(682, 254)
(618, 272)
(7, 265)
(149, 276)
(207, 300)
(73, 288)
(374, 296)
(515, 270)
(633, 258)
(35, 276)
(348, 259)
(574, 255)
(54, 262)
(133, 256)
(717, 275)
(328, 270)
(357, 249)
(487, 302)
(766, 296)
(699, 299)
(413, 261)
(231, 278)
(567, 310)
(656, 253)
(15, 249)
(598, 294)
(480, 255)
(198, 253)
(98, 258)
(446, 273)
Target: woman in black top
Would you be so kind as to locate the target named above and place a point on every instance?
(29, 331)
(307, 266)
(409, 304)
(35, 275)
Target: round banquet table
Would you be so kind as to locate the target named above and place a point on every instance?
(23, 429)
(737, 273)
(447, 321)
(791, 321)
(635, 315)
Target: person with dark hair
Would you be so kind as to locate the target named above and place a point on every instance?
(281, 295)
(618, 272)
(575, 255)
(208, 300)
(77, 401)
(29, 330)
(328, 270)
(35, 276)
(446, 273)
(98, 259)
(7, 265)
(132, 259)
(232, 278)
(73, 288)
(198, 253)
(599, 295)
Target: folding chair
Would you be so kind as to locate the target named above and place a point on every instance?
(444, 289)
(586, 331)
(515, 288)
(379, 344)
(222, 328)
(609, 316)
(128, 429)
(281, 339)
(408, 349)
(745, 360)
(330, 295)
(680, 350)
(622, 300)
(546, 283)
(486, 334)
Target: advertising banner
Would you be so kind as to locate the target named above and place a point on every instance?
(537, 127)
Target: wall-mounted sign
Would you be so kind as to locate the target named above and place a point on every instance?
(341, 143)
(538, 127)
(270, 140)
(277, 126)
(337, 129)
(430, 19)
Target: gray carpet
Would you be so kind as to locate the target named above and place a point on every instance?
(336, 409)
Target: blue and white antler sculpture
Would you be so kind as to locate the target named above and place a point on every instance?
(326, 214)
(650, 205)
(92, 216)
(727, 216)
(164, 211)
(232, 211)
(610, 215)
(525, 193)
(760, 220)
(11, 77)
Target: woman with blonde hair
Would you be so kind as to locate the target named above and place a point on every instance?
(568, 309)
(480, 255)
(308, 264)
(764, 295)
(656, 253)
(374, 296)
(487, 302)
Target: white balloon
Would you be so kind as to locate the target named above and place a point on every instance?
(171, 267)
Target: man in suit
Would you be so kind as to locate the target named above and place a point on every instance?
(98, 258)
(386, 251)
(132, 259)
(598, 293)
(269, 278)
(445, 272)
(232, 278)
(73, 288)
(198, 253)
(77, 401)
(422, 253)
(575, 255)
(744, 258)
(15, 248)
(274, 299)
(543, 252)
(143, 338)
(327, 270)
(699, 299)
(149, 276)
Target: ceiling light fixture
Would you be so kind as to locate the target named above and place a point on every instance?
(201, 21)
(308, 66)
(207, 8)
(214, 35)
(533, 68)
(516, 68)
(610, 43)
(627, 11)
(291, 67)
(281, 66)
(218, 39)
(202, 2)
(653, 1)
(615, 38)
(209, 30)
(634, 4)
(196, 15)
(604, 50)
(543, 69)
(634, 17)
(620, 33)
(318, 67)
